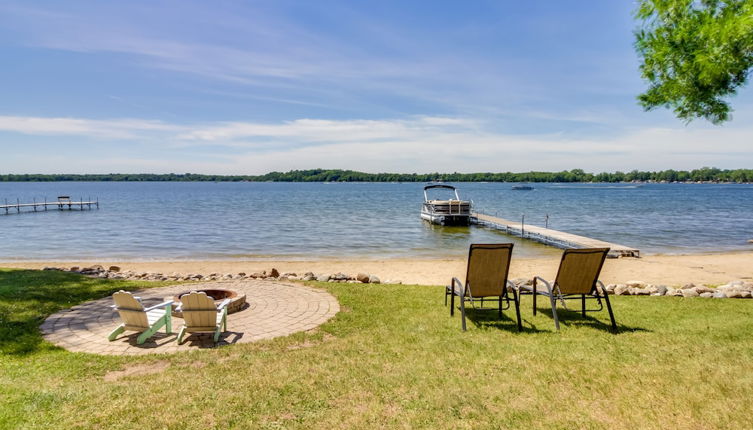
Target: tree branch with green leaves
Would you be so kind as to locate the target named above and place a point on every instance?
(696, 55)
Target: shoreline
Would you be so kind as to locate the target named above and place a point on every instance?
(668, 269)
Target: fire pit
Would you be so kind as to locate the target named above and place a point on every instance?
(237, 302)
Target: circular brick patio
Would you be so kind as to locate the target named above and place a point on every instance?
(273, 309)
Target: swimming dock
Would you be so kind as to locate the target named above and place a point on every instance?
(62, 203)
(551, 237)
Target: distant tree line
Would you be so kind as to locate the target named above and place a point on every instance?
(322, 175)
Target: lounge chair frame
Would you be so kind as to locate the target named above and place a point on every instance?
(464, 292)
(596, 291)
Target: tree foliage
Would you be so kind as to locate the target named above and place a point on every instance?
(335, 175)
(696, 54)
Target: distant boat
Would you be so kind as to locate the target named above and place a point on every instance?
(522, 187)
(445, 212)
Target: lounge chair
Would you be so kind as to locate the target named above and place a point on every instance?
(137, 318)
(577, 279)
(201, 315)
(486, 278)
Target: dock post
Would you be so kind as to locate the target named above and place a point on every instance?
(35, 204)
(6, 206)
(45, 203)
(522, 225)
(97, 202)
(18, 205)
(546, 221)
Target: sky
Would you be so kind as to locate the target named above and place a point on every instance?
(248, 87)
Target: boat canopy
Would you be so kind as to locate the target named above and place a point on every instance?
(440, 186)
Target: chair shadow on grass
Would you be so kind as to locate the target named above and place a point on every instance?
(574, 318)
(488, 318)
(28, 297)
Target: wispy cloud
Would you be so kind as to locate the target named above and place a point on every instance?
(112, 129)
(421, 144)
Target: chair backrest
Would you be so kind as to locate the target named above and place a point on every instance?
(199, 310)
(488, 266)
(131, 310)
(579, 270)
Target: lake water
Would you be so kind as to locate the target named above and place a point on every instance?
(200, 220)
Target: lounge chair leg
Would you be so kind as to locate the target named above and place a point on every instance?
(534, 297)
(611, 314)
(462, 311)
(445, 296)
(114, 334)
(180, 334)
(517, 309)
(583, 304)
(500, 305)
(554, 312)
(452, 304)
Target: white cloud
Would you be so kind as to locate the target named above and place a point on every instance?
(115, 129)
(417, 144)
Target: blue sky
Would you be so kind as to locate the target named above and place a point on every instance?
(240, 87)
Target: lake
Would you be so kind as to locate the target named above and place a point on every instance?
(204, 220)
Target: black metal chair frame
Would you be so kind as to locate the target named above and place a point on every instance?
(554, 295)
(464, 292)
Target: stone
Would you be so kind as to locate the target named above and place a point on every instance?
(706, 295)
(610, 288)
(719, 295)
(339, 276)
(745, 294)
(636, 284)
(257, 275)
(703, 289)
(362, 277)
(74, 269)
(652, 289)
(689, 292)
(309, 277)
(661, 290)
(115, 269)
(687, 286)
(373, 279)
(274, 273)
(309, 274)
(735, 294)
(323, 278)
(621, 290)
(639, 291)
(242, 274)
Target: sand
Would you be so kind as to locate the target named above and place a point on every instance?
(716, 268)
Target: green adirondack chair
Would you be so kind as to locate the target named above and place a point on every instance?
(137, 318)
(201, 315)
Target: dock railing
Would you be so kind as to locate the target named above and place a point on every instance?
(62, 203)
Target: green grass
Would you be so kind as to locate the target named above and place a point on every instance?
(392, 358)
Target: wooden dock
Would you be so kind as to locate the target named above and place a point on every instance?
(551, 237)
(62, 203)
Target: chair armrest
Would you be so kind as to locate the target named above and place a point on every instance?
(461, 288)
(603, 288)
(224, 303)
(546, 283)
(161, 305)
(510, 284)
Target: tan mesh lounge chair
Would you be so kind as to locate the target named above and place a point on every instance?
(486, 278)
(201, 315)
(577, 279)
(136, 318)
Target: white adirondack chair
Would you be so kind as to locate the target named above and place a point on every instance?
(201, 315)
(137, 318)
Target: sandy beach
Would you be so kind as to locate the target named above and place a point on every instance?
(670, 270)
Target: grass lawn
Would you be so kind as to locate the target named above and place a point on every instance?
(392, 358)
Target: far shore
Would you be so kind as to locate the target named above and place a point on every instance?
(671, 270)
